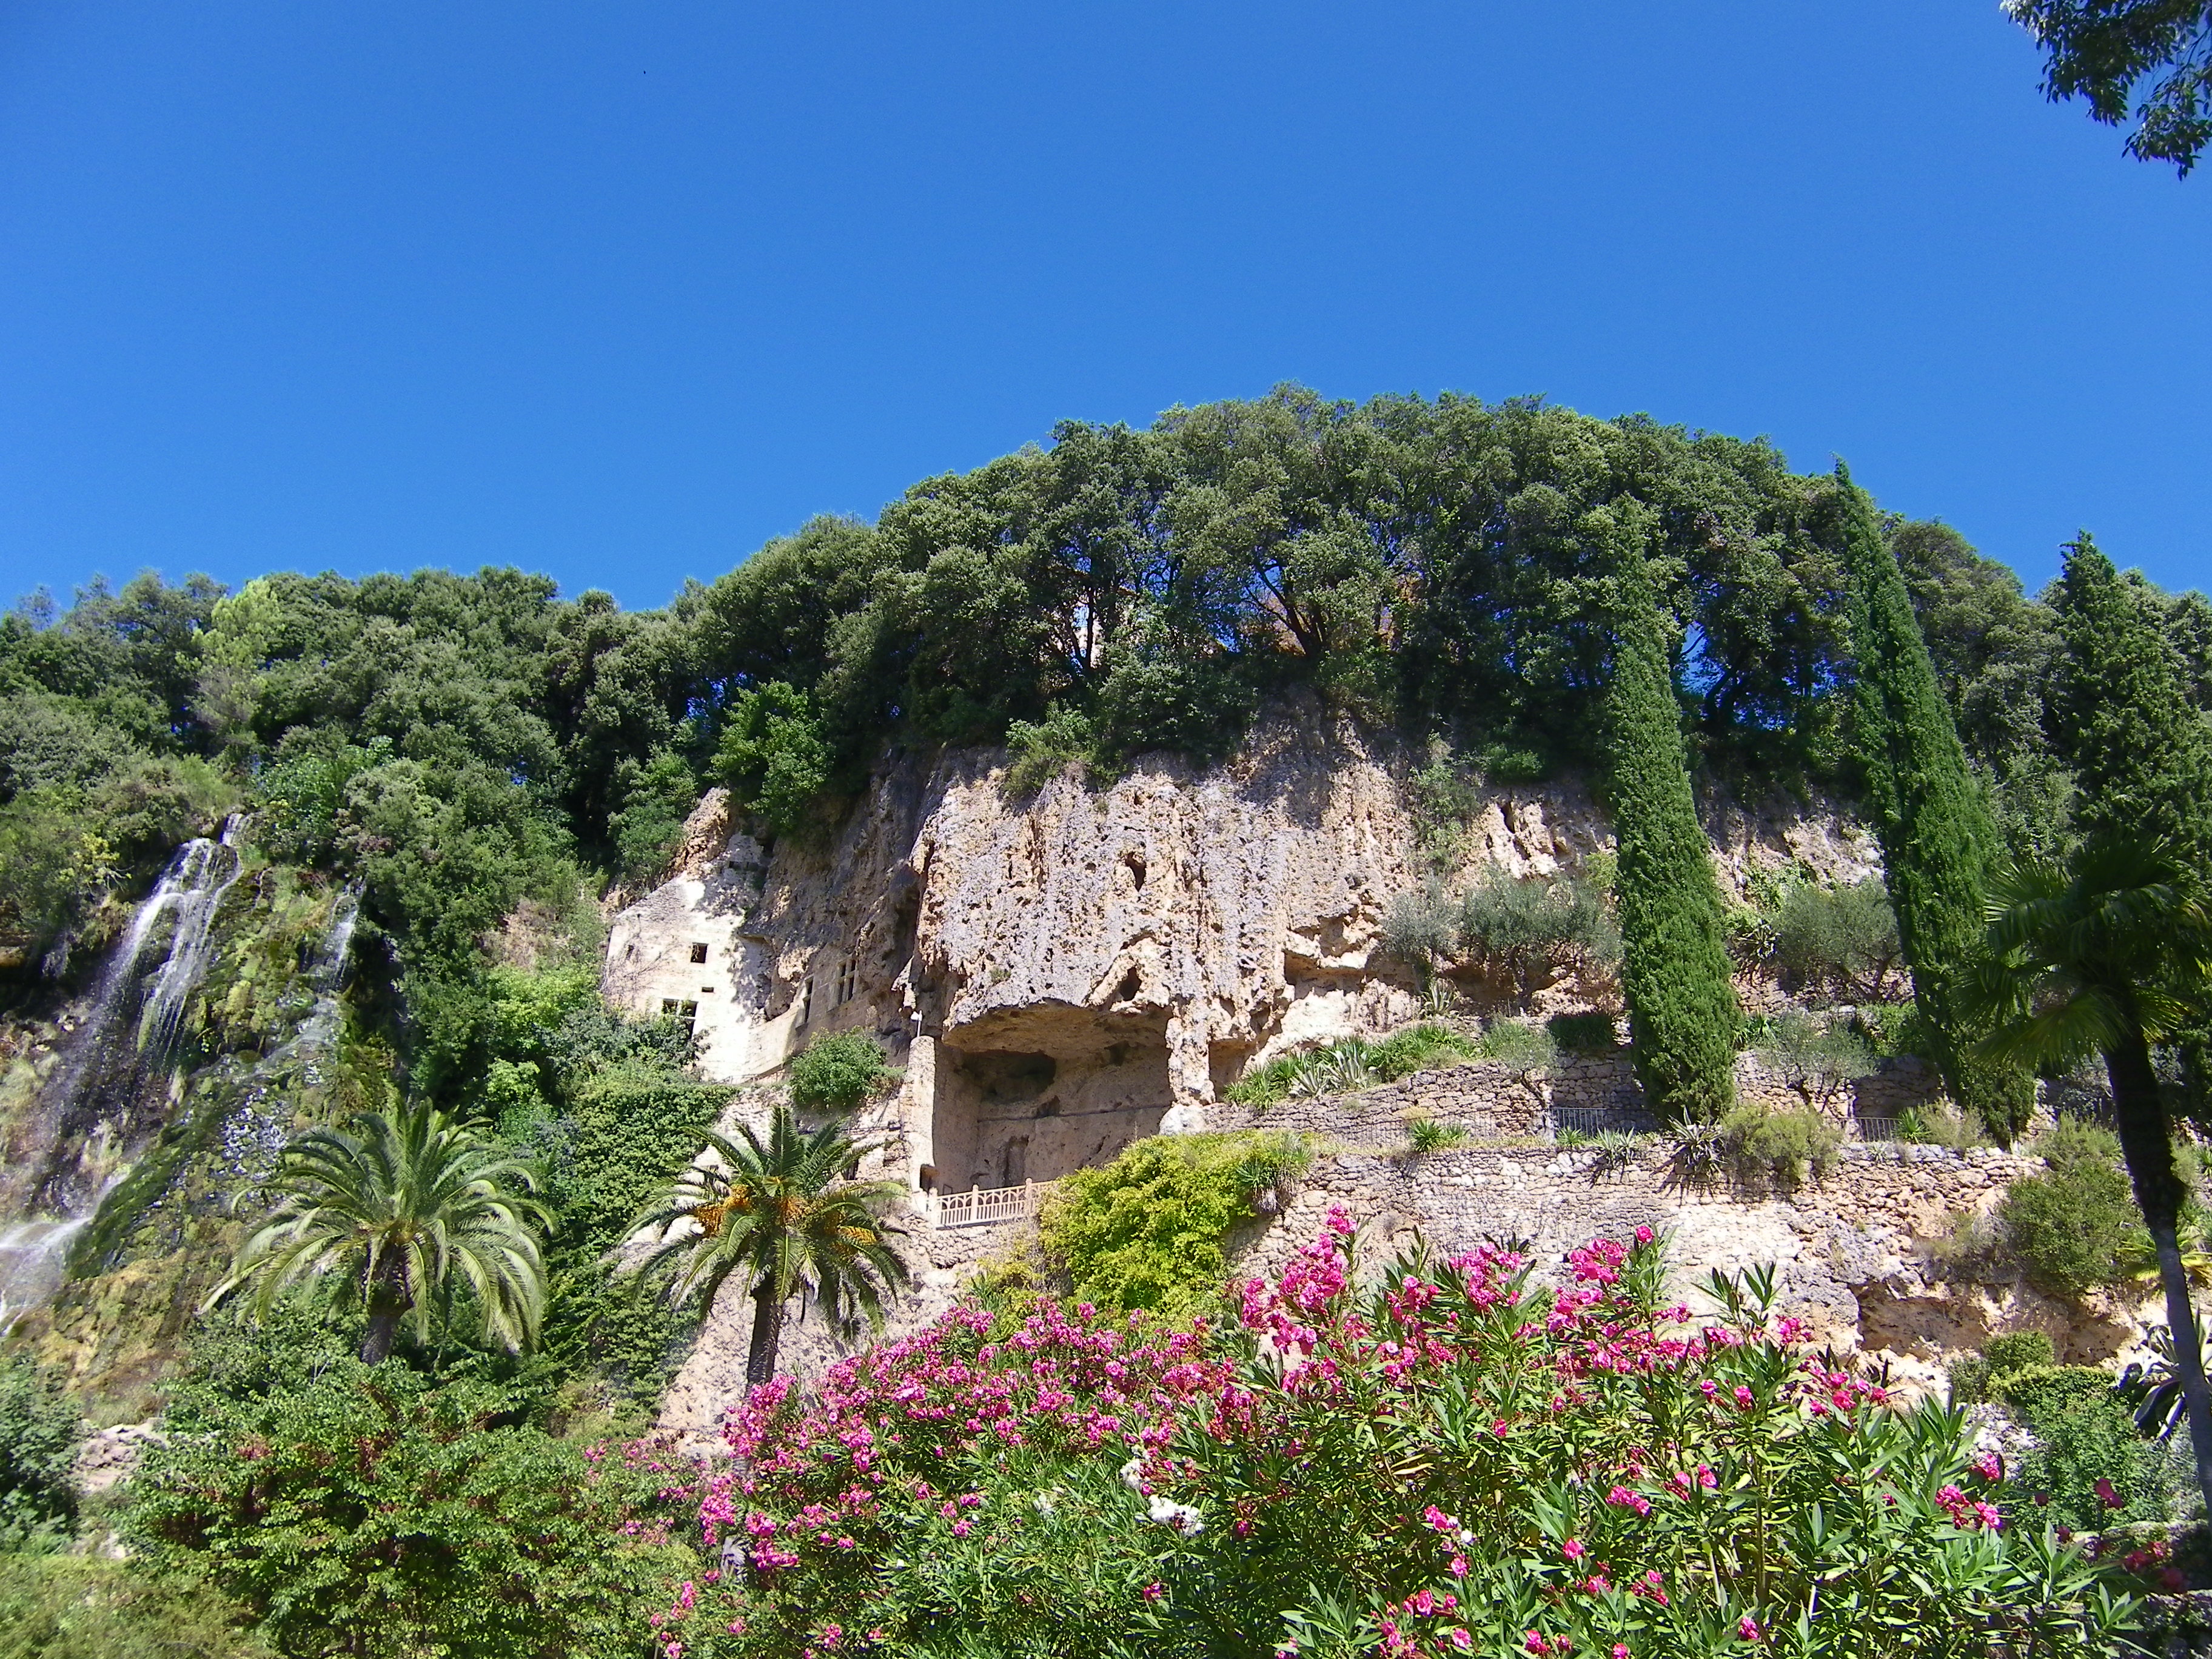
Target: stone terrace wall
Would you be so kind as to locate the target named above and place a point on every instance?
(1498, 1104)
(1848, 1249)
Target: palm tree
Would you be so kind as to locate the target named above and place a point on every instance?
(778, 1214)
(2103, 954)
(404, 1206)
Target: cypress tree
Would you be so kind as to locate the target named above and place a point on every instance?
(1674, 965)
(1937, 835)
(2120, 719)
(2140, 755)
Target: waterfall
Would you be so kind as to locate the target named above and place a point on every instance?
(110, 1088)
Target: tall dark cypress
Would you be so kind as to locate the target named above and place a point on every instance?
(2138, 746)
(1937, 837)
(2141, 754)
(1674, 964)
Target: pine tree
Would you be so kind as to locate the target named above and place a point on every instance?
(2138, 747)
(1936, 837)
(1674, 964)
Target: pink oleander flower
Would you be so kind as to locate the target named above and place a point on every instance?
(1746, 1629)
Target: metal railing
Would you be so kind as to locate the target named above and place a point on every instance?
(990, 1207)
(1872, 1129)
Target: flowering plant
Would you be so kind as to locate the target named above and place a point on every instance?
(1452, 1459)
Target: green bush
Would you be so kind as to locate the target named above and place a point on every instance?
(1529, 928)
(2085, 1439)
(2071, 1229)
(1422, 928)
(1840, 937)
(1526, 1048)
(1786, 1147)
(658, 797)
(1146, 1230)
(773, 756)
(1040, 751)
(2018, 1352)
(1582, 1034)
(1434, 1134)
(1817, 1058)
(77, 1606)
(368, 1511)
(2042, 1393)
(1418, 1049)
(41, 1428)
(837, 1072)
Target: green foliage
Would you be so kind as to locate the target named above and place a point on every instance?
(1582, 1034)
(1525, 1048)
(2001, 1356)
(1839, 938)
(1933, 821)
(1434, 1134)
(781, 1217)
(1818, 1058)
(1682, 1008)
(41, 1428)
(1529, 928)
(771, 755)
(837, 1072)
(368, 1510)
(2085, 1436)
(1423, 1048)
(2041, 1393)
(1785, 1147)
(657, 796)
(1422, 928)
(2070, 1227)
(2154, 55)
(1041, 749)
(1145, 1232)
(54, 866)
(76, 1606)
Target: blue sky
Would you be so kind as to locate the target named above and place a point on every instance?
(617, 291)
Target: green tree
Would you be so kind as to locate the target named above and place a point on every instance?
(837, 1071)
(2112, 52)
(773, 755)
(2102, 955)
(779, 1215)
(1674, 963)
(2141, 754)
(41, 1428)
(404, 1210)
(1933, 824)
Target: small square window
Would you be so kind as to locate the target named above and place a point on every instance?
(698, 953)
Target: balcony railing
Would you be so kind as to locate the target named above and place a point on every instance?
(990, 1207)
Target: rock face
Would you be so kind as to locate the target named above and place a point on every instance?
(1063, 973)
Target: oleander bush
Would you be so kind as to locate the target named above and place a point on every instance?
(1453, 1459)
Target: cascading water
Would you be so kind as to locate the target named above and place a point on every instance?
(112, 1086)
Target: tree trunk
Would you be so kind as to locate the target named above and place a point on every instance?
(388, 1303)
(768, 1336)
(2146, 1141)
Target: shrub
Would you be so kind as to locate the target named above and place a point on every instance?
(41, 1428)
(1787, 1147)
(1816, 1057)
(1839, 937)
(1053, 1483)
(1582, 1034)
(1145, 1232)
(1419, 1048)
(76, 1607)
(1526, 1048)
(1040, 751)
(837, 1072)
(368, 1511)
(2071, 1229)
(1530, 929)
(2018, 1352)
(1421, 928)
(2042, 1393)
(657, 798)
(773, 755)
(2086, 1440)
(1265, 1086)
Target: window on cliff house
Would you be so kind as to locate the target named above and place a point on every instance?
(806, 999)
(687, 1012)
(849, 981)
(698, 952)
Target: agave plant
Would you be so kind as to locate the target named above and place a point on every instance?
(2163, 1407)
